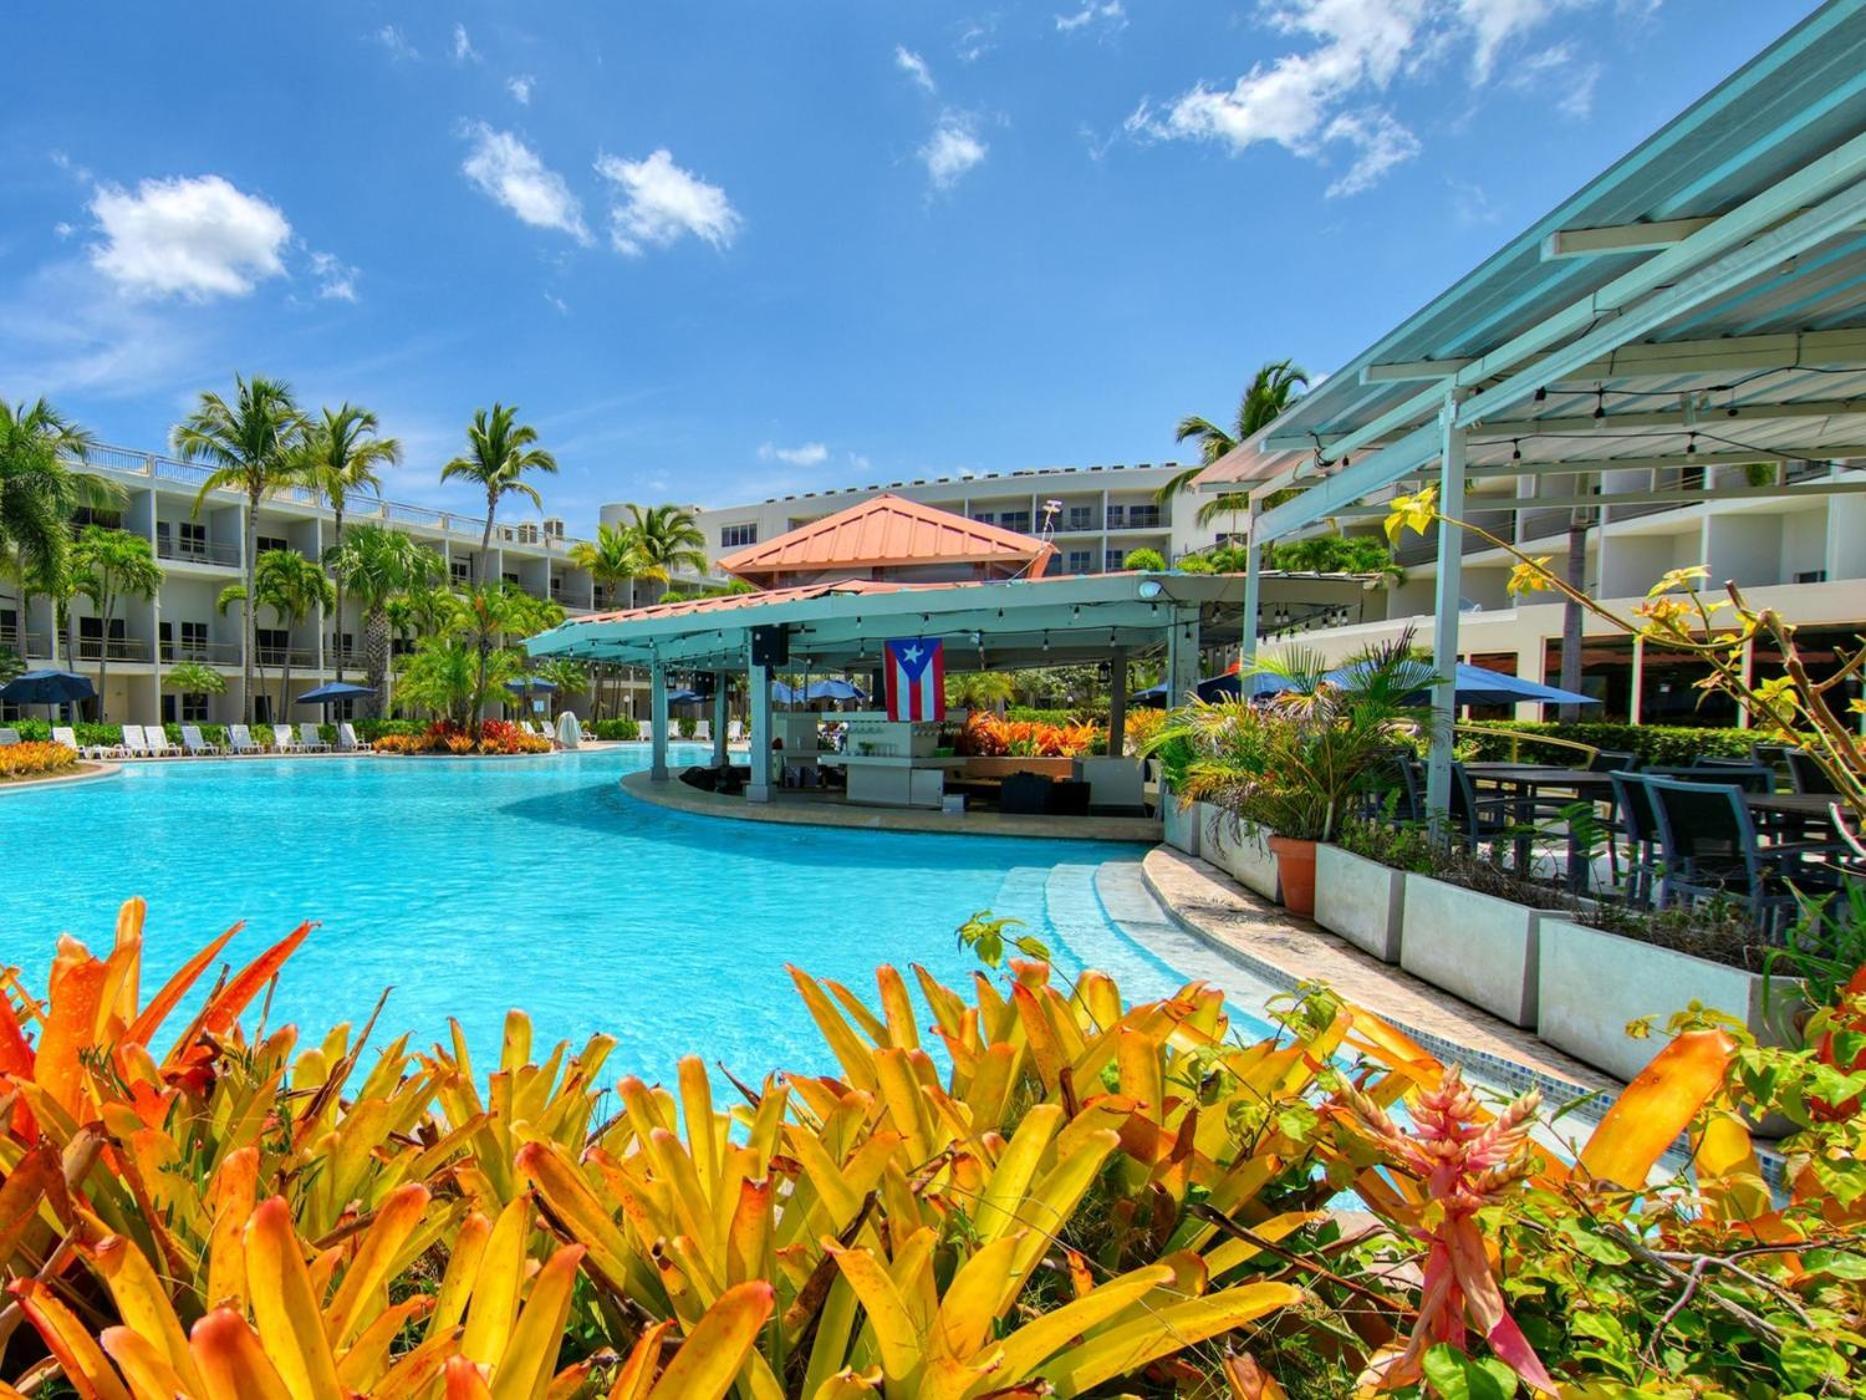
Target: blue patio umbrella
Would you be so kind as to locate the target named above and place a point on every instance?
(1473, 685)
(833, 689)
(684, 697)
(333, 692)
(1221, 687)
(525, 684)
(785, 694)
(48, 688)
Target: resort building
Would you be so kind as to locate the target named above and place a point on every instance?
(201, 552)
(1673, 359)
(1094, 516)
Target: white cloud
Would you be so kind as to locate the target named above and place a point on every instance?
(1108, 14)
(520, 88)
(191, 237)
(62, 230)
(1332, 97)
(396, 42)
(464, 52)
(952, 150)
(336, 279)
(557, 303)
(915, 67)
(505, 169)
(658, 204)
(859, 461)
(977, 38)
(810, 454)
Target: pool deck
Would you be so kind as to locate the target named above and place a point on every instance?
(1285, 950)
(87, 770)
(817, 809)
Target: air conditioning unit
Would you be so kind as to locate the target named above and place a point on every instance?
(522, 534)
(554, 529)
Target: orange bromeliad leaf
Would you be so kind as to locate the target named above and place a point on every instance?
(709, 1360)
(464, 1381)
(1657, 1106)
(78, 1354)
(151, 1017)
(637, 1374)
(38, 1175)
(285, 1304)
(232, 1360)
(225, 1008)
(75, 992)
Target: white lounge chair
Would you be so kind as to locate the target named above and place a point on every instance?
(134, 745)
(240, 739)
(194, 745)
(347, 742)
(155, 740)
(8, 736)
(63, 734)
(702, 729)
(284, 740)
(735, 730)
(647, 732)
(310, 738)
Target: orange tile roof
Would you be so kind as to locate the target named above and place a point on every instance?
(888, 531)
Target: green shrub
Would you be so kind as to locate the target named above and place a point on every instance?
(370, 730)
(1653, 743)
(624, 728)
(1037, 714)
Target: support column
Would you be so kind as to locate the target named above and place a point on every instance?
(1117, 701)
(657, 710)
(1182, 657)
(758, 679)
(1253, 594)
(722, 716)
(1445, 617)
(1633, 703)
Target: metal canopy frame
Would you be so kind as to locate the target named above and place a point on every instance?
(1697, 304)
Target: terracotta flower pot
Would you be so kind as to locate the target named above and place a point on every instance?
(1295, 871)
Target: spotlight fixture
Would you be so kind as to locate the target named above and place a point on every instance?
(1600, 403)
(1542, 395)
(1516, 450)
(1149, 588)
(1691, 445)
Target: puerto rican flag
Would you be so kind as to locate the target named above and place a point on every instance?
(916, 679)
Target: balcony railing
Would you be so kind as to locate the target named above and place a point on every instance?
(198, 552)
(37, 643)
(113, 649)
(207, 653)
(282, 656)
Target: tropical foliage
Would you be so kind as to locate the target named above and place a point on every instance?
(1273, 389)
(496, 736)
(988, 736)
(250, 445)
(500, 453)
(381, 567)
(1080, 1196)
(30, 759)
(1297, 761)
(342, 455)
(39, 494)
(110, 567)
(193, 678)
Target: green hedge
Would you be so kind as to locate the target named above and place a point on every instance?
(1032, 714)
(1654, 743)
(88, 735)
(624, 728)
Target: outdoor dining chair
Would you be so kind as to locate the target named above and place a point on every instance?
(1805, 775)
(1613, 761)
(1750, 777)
(1710, 848)
(1492, 817)
(1634, 823)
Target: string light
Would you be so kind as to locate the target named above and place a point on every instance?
(1516, 449)
(1600, 403)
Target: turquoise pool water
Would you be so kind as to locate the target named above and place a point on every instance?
(471, 887)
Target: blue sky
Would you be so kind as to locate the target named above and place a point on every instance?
(723, 250)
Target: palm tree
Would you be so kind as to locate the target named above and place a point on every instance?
(667, 539)
(493, 617)
(109, 566)
(1272, 390)
(294, 588)
(612, 559)
(193, 678)
(500, 450)
(377, 565)
(252, 445)
(340, 455)
(39, 493)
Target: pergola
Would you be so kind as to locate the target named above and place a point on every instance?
(1697, 304)
(998, 625)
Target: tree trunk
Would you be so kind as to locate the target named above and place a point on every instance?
(376, 658)
(248, 696)
(337, 629)
(103, 660)
(285, 676)
(485, 539)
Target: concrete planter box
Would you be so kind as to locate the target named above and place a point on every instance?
(1361, 900)
(1481, 949)
(1592, 983)
(1180, 824)
(1240, 852)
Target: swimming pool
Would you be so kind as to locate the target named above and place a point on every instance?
(474, 886)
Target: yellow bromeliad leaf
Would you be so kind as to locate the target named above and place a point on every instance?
(849, 1385)
(70, 1342)
(897, 1339)
(284, 1304)
(524, 1368)
(363, 1286)
(1036, 1341)
(1657, 1106)
(145, 1367)
(142, 1302)
(494, 1305)
(1125, 1349)
(716, 1349)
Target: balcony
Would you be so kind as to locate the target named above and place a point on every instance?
(207, 653)
(113, 649)
(295, 657)
(1125, 517)
(198, 551)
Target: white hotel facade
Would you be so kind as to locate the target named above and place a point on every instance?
(202, 552)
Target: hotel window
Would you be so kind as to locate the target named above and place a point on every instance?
(984, 517)
(272, 644)
(462, 570)
(193, 709)
(1018, 520)
(737, 536)
(1117, 517)
(265, 543)
(1081, 517)
(1080, 561)
(1143, 517)
(1811, 576)
(1116, 557)
(510, 577)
